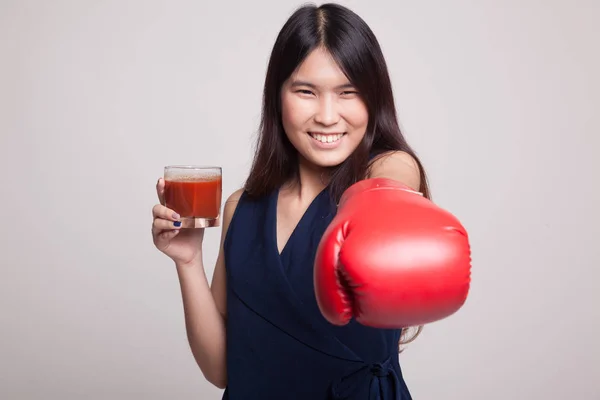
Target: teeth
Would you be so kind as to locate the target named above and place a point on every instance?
(326, 138)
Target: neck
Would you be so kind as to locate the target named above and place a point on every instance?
(312, 180)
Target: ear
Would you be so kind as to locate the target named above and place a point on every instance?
(399, 166)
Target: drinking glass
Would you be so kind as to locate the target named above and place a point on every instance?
(194, 192)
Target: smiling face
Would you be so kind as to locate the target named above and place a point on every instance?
(323, 115)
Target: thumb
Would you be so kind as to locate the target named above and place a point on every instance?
(331, 286)
(160, 190)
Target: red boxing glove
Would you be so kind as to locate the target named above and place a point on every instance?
(391, 258)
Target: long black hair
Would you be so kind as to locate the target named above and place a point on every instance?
(356, 50)
(354, 47)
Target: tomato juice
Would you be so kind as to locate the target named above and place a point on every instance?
(194, 197)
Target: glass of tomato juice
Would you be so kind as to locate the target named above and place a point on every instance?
(194, 192)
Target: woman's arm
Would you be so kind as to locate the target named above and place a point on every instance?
(205, 307)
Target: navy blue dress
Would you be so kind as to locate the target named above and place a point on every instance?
(279, 346)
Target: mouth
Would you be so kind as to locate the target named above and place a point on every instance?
(326, 137)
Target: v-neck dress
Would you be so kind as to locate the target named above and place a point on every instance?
(279, 346)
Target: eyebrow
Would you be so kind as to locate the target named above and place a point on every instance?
(313, 86)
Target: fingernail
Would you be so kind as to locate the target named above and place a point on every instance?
(177, 223)
(175, 216)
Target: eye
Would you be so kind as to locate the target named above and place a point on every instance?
(349, 93)
(304, 91)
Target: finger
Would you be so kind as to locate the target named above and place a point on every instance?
(160, 225)
(160, 190)
(160, 211)
(168, 234)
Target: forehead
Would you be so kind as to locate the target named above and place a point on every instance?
(319, 68)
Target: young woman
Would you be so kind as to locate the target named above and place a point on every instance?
(328, 121)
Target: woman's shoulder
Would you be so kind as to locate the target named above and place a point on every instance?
(393, 156)
(235, 199)
(396, 164)
(231, 204)
(229, 210)
(236, 196)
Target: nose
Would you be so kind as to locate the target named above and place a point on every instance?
(327, 113)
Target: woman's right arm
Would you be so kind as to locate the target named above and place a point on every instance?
(205, 307)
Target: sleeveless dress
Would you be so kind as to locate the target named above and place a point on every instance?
(279, 346)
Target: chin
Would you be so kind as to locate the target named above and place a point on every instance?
(327, 160)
